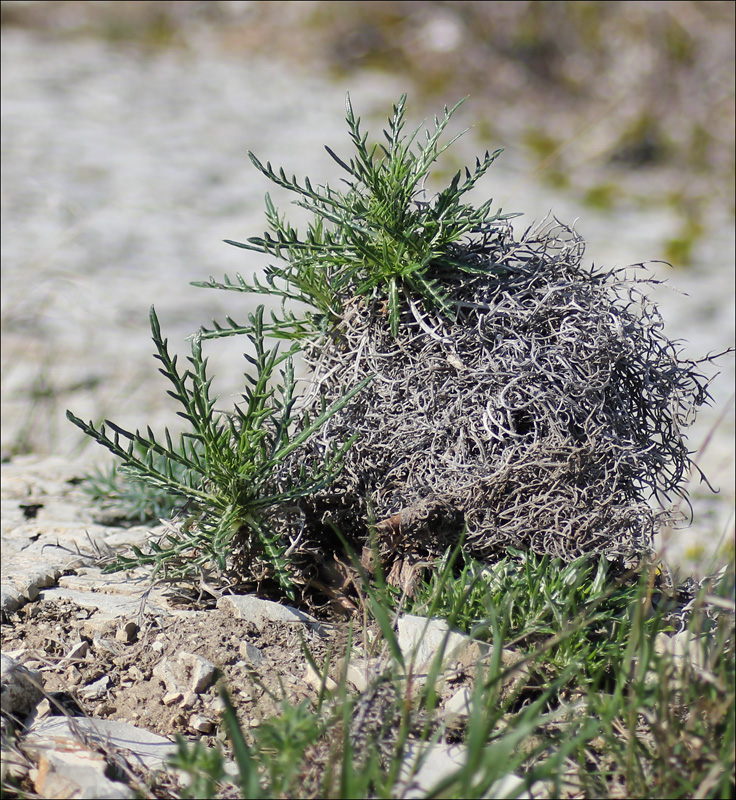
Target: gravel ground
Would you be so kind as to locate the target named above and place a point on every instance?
(123, 172)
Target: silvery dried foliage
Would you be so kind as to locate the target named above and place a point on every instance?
(547, 415)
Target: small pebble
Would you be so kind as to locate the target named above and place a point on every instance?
(127, 632)
(200, 724)
(170, 698)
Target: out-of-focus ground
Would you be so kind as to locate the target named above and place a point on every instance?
(125, 130)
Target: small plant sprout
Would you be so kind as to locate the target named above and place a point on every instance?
(227, 468)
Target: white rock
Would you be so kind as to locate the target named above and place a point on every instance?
(25, 574)
(11, 598)
(138, 745)
(360, 671)
(260, 612)
(108, 606)
(166, 673)
(685, 650)
(251, 654)
(187, 672)
(459, 703)
(315, 680)
(200, 673)
(96, 689)
(77, 652)
(170, 698)
(21, 687)
(200, 724)
(127, 632)
(78, 773)
(425, 766)
(421, 639)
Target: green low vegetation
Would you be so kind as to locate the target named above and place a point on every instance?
(598, 707)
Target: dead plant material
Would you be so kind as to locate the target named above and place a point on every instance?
(545, 416)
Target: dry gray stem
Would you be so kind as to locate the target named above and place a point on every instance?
(545, 416)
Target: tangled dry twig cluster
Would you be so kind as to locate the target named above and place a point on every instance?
(545, 416)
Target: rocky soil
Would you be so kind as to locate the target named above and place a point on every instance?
(135, 663)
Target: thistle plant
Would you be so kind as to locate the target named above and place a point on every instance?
(520, 397)
(227, 468)
(377, 240)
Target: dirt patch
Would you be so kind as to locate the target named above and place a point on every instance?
(260, 667)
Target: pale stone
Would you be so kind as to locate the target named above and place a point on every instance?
(425, 766)
(127, 632)
(170, 698)
(78, 652)
(11, 598)
(361, 671)
(96, 689)
(251, 654)
(459, 703)
(356, 673)
(685, 650)
(260, 612)
(141, 746)
(312, 678)
(186, 672)
(200, 724)
(421, 639)
(166, 673)
(27, 573)
(21, 687)
(200, 672)
(76, 773)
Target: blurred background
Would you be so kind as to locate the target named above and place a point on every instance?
(125, 131)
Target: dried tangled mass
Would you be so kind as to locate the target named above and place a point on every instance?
(545, 416)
